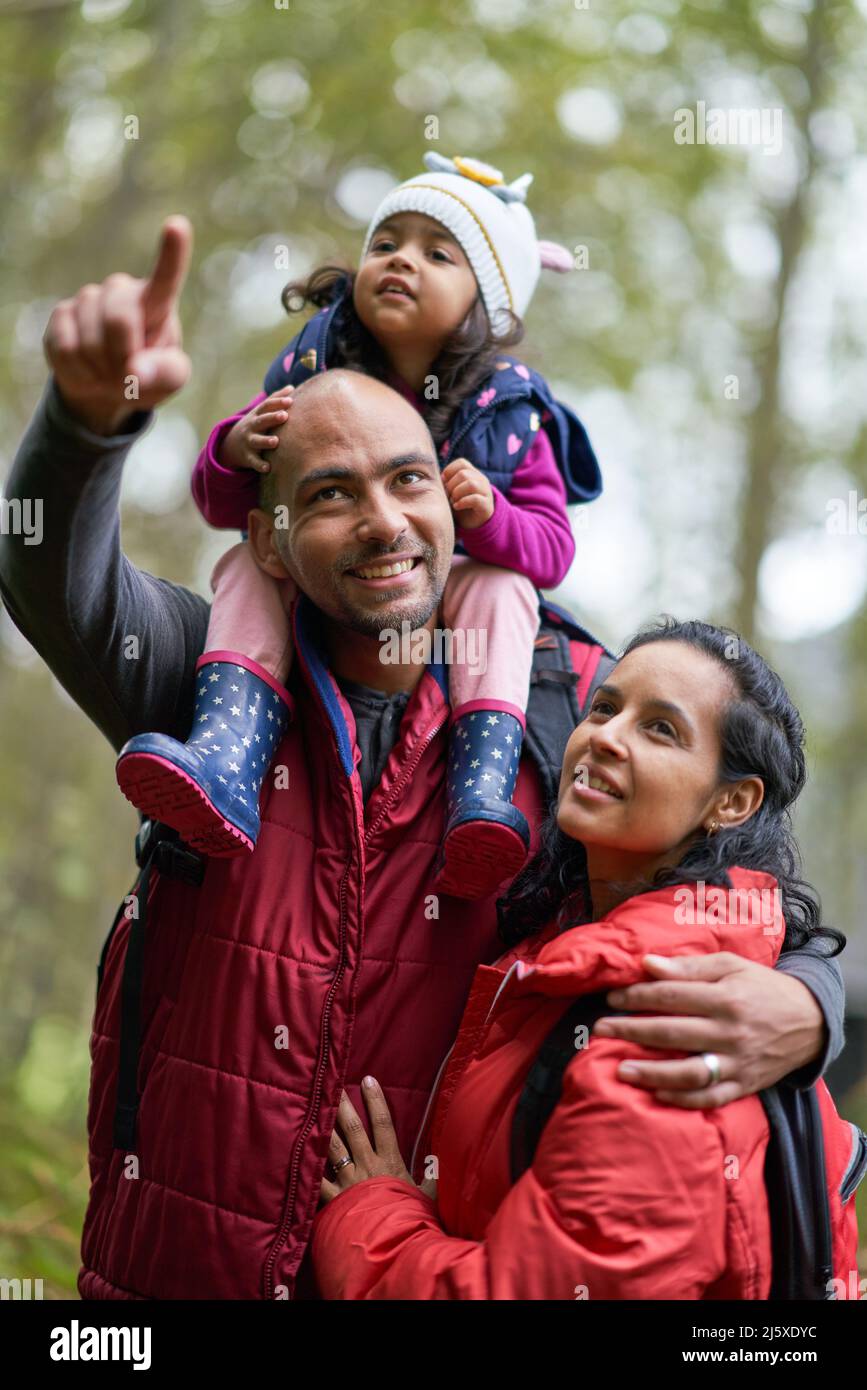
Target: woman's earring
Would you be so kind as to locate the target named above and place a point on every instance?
(713, 827)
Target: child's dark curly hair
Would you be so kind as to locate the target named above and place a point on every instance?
(466, 361)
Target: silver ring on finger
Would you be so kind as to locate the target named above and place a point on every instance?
(712, 1062)
(341, 1163)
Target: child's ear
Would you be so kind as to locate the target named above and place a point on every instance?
(260, 538)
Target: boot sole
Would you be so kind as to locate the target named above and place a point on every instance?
(479, 856)
(165, 793)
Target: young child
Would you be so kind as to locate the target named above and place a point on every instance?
(449, 262)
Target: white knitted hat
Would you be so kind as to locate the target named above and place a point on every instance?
(489, 220)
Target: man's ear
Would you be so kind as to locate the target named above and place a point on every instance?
(260, 537)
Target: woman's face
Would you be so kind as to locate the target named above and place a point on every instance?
(651, 735)
(440, 287)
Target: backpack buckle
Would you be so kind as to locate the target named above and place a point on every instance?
(551, 676)
(170, 855)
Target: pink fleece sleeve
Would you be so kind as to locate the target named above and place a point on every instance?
(529, 530)
(223, 495)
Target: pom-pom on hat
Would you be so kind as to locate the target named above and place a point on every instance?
(490, 221)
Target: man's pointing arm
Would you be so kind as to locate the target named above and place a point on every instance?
(123, 643)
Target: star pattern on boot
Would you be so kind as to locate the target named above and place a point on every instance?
(486, 768)
(248, 713)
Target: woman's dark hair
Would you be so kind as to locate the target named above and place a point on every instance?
(761, 735)
(465, 362)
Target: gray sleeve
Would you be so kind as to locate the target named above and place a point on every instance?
(75, 596)
(821, 973)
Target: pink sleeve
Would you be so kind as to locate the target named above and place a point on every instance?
(529, 531)
(224, 496)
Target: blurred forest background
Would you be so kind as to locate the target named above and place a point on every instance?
(713, 340)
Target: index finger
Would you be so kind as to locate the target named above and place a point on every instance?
(165, 281)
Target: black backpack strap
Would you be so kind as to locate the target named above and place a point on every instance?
(797, 1195)
(157, 847)
(544, 1084)
(553, 708)
(800, 1220)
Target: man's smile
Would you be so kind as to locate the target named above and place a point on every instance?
(389, 572)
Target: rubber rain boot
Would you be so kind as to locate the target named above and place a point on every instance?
(486, 838)
(207, 789)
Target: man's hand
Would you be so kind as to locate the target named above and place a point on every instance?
(249, 436)
(760, 1022)
(115, 348)
(469, 492)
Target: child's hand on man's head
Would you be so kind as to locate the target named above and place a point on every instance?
(469, 492)
(243, 445)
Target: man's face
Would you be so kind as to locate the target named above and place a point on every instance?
(368, 533)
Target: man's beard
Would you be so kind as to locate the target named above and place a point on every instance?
(390, 618)
(391, 609)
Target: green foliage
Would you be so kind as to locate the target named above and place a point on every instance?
(42, 1198)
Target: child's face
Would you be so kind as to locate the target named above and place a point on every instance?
(442, 287)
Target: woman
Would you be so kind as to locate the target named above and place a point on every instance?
(672, 828)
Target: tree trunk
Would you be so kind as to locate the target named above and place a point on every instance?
(766, 461)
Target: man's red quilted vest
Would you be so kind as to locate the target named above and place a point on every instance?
(327, 940)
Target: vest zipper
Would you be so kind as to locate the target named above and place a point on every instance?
(316, 1098)
(407, 772)
(313, 1110)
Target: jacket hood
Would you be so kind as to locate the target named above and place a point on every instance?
(679, 920)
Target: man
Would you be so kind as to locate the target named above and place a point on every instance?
(277, 980)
